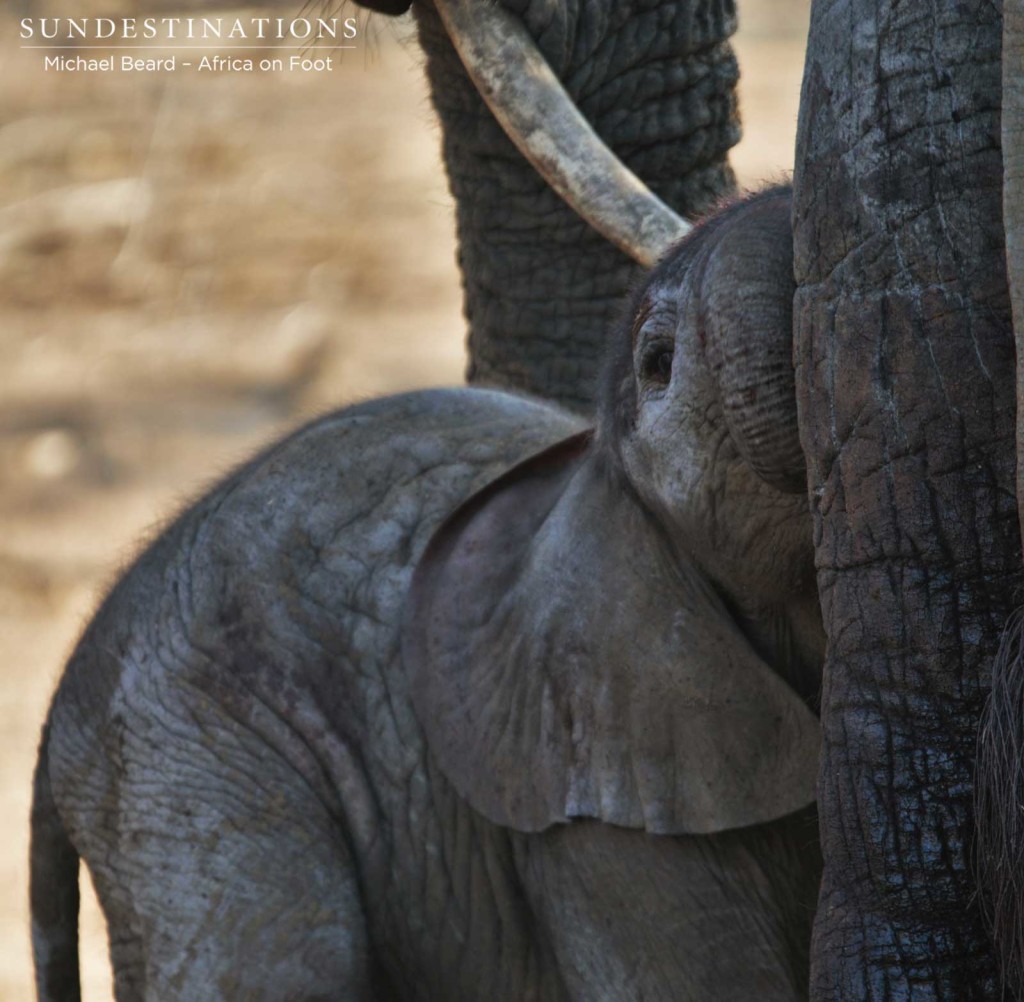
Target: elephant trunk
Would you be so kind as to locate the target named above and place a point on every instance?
(547, 128)
(906, 402)
(541, 286)
(749, 325)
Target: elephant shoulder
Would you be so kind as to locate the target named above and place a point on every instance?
(289, 575)
(312, 541)
(373, 477)
(362, 486)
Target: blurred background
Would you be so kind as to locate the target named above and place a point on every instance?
(191, 265)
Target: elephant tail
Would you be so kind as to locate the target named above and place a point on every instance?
(53, 892)
(999, 805)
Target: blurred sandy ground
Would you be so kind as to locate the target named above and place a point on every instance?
(189, 266)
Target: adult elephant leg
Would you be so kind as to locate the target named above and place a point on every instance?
(1000, 783)
(905, 359)
(658, 84)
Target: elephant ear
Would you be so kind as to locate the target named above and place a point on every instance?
(563, 666)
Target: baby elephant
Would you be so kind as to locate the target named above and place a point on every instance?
(449, 697)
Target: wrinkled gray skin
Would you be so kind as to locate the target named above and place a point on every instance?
(284, 756)
(905, 373)
(657, 80)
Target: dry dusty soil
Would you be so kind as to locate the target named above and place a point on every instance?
(189, 266)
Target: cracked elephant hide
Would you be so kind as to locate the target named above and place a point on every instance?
(905, 376)
(446, 696)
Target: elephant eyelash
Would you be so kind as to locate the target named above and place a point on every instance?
(642, 315)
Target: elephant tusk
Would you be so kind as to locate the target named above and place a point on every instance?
(533, 107)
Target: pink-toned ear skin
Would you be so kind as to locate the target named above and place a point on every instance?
(564, 664)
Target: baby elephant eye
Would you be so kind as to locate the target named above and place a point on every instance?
(657, 366)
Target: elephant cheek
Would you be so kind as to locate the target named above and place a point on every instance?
(674, 473)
